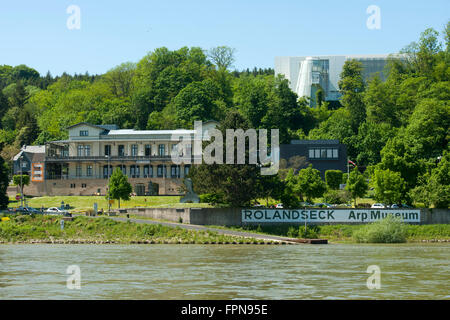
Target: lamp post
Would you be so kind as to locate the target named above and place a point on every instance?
(109, 196)
(21, 181)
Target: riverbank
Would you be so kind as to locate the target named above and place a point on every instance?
(344, 233)
(47, 229)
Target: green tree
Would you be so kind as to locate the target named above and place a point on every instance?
(237, 184)
(120, 79)
(310, 184)
(434, 187)
(352, 88)
(222, 56)
(369, 142)
(4, 105)
(333, 178)
(197, 101)
(389, 186)
(119, 187)
(356, 184)
(379, 101)
(24, 179)
(4, 182)
(285, 112)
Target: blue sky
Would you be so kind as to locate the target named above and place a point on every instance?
(35, 32)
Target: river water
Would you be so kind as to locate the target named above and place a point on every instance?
(333, 271)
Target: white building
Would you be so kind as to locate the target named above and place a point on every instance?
(305, 74)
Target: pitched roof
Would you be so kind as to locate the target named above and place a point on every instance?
(102, 127)
(30, 152)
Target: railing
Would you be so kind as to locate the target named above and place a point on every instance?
(70, 177)
(114, 158)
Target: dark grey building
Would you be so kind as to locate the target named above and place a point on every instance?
(322, 154)
(30, 161)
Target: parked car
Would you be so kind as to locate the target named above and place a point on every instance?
(27, 210)
(378, 206)
(57, 211)
(395, 206)
(322, 205)
(279, 206)
(258, 206)
(305, 204)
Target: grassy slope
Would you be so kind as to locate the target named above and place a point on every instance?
(80, 203)
(27, 228)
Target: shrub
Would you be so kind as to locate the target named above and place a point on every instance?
(211, 198)
(311, 232)
(292, 232)
(337, 196)
(333, 178)
(389, 230)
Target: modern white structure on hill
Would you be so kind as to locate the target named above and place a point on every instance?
(305, 74)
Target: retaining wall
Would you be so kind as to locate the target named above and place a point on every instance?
(233, 216)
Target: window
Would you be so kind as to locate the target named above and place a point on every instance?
(329, 153)
(323, 153)
(83, 185)
(84, 133)
(65, 151)
(148, 171)
(335, 153)
(161, 149)
(107, 174)
(134, 171)
(161, 171)
(121, 150)
(134, 150)
(317, 153)
(186, 170)
(89, 170)
(80, 150)
(78, 171)
(148, 150)
(72, 185)
(87, 150)
(175, 171)
(107, 150)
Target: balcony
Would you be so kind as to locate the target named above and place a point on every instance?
(104, 177)
(138, 159)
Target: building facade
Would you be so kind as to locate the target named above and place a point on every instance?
(322, 154)
(307, 74)
(82, 164)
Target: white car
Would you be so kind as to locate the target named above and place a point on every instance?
(378, 206)
(55, 210)
(279, 206)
